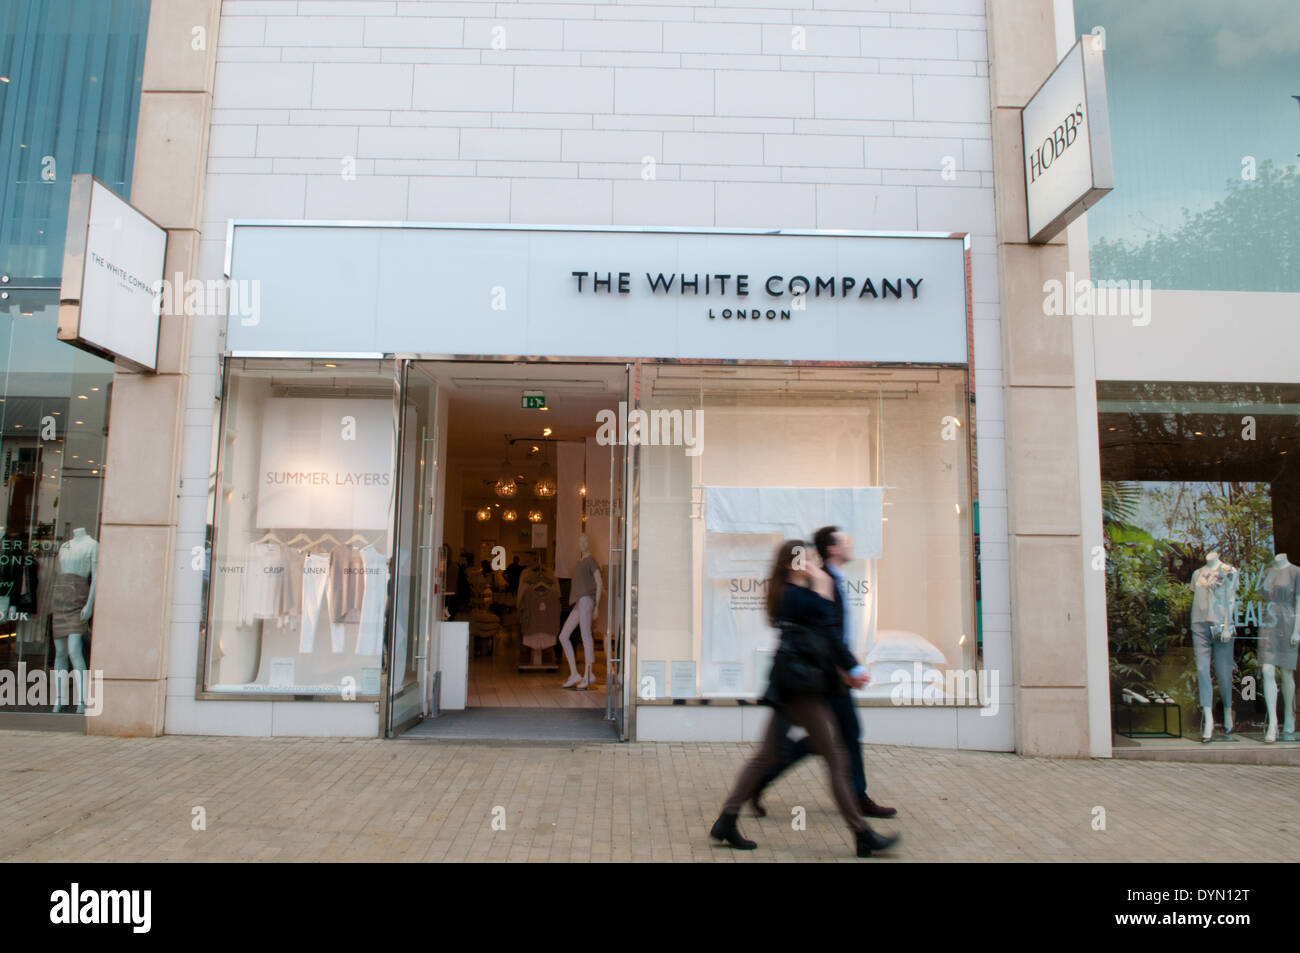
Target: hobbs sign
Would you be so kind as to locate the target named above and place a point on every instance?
(1067, 142)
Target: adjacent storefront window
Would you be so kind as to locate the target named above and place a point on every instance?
(69, 98)
(1201, 510)
(53, 436)
(303, 516)
(772, 453)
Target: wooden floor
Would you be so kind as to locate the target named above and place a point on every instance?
(494, 681)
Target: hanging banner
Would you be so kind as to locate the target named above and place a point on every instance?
(325, 464)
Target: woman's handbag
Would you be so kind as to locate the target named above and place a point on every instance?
(802, 665)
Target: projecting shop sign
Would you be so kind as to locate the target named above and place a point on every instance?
(1067, 142)
(112, 270)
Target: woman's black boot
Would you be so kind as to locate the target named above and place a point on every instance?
(724, 829)
(869, 840)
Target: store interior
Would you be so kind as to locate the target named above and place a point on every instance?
(1197, 476)
(527, 519)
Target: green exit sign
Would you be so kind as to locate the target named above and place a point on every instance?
(532, 400)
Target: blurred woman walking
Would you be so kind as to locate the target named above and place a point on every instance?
(811, 665)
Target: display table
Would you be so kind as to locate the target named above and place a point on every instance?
(1122, 718)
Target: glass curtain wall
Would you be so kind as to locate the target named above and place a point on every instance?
(70, 74)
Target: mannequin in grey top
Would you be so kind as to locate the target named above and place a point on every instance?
(584, 596)
(1279, 642)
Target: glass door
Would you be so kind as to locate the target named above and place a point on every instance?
(616, 606)
(417, 599)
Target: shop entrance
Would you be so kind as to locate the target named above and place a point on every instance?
(510, 548)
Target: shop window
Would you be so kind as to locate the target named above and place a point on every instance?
(1201, 514)
(54, 403)
(303, 505)
(777, 453)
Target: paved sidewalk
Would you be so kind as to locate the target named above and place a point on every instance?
(77, 798)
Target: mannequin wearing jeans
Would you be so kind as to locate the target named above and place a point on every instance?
(584, 597)
(1279, 642)
(1214, 601)
(73, 604)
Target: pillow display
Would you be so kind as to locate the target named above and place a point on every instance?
(898, 645)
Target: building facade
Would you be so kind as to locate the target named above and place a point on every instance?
(398, 230)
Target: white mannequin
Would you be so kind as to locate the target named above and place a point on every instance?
(78, 556)
(1223, 632)
(581, 614)
(1288, 680)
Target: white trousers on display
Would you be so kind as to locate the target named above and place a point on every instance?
(315, 596)
(579, 614)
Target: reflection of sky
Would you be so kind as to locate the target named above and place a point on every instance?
(1193, 87)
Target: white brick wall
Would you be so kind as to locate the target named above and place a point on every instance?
(768, 113)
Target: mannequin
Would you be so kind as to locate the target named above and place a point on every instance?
(1214, 598)
(537, 602)
(584, 597)
(72, 604)
(1279, 637)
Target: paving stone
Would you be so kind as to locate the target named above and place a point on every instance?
(79, 798)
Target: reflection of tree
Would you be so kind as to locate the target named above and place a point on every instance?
(1148, 596)
(1247, 241)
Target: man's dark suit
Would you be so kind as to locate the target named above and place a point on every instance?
(845, 713)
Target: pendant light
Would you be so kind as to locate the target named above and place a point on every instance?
(545, 486)
(509, 516)
(505, 487)
(534, 516)
(484, 514)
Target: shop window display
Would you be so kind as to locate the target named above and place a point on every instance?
(1199, 504)
(303, 513)
(778, 453)
(53, 438)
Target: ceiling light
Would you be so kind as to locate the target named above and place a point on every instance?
(534, 516)
(545, 486)
(483, 515)
(546, 431)
(509, 516)
(505, 487)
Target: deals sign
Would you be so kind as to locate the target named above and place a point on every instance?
(325, 464)
(1066, 132)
